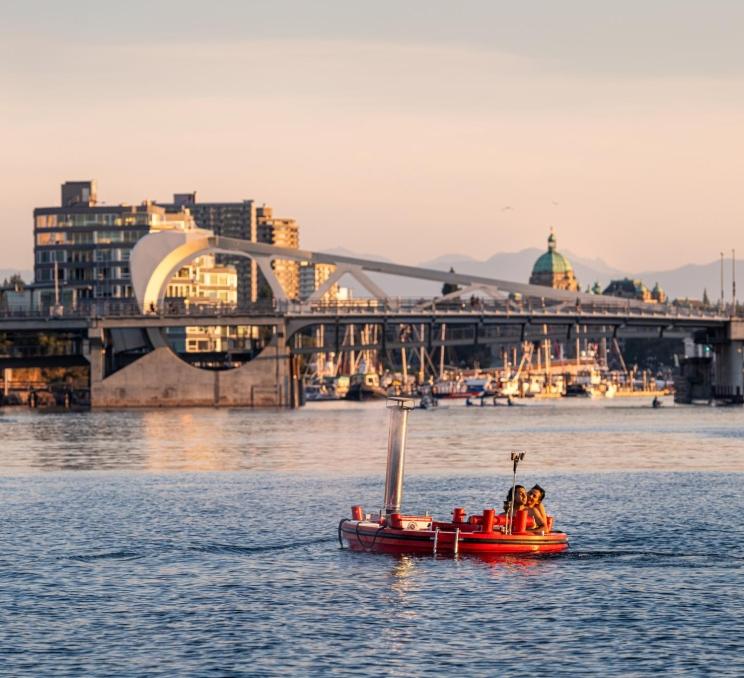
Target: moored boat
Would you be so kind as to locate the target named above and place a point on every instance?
(365, 386)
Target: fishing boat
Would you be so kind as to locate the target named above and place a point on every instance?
(365, 386)
(481, 534)
(450, 388)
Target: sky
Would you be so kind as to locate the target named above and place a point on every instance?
(403, 129)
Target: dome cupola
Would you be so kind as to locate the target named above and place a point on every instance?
(552, 269)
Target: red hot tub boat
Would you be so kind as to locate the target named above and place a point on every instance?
(484, 534)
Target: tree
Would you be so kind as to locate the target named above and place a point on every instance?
(15, 281)
(449, 288)
(706, 300)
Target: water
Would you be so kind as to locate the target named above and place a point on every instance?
(203, 542)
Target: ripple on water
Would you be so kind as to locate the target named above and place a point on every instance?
(147, 565)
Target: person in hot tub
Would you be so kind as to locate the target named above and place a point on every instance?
(520, 492)
(536, 510)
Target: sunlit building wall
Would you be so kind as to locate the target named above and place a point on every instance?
(312, 276)
(281, 233)
(89, 244)
(231, 220)
(204, 283)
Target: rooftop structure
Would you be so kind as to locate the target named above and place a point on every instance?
(552, 269)
(85, 246)
(628, 288)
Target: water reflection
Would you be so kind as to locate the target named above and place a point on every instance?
(344, 439)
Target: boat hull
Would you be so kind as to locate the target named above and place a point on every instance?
(371, 537)
(368, 393)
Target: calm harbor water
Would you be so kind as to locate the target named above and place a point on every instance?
(203, 542)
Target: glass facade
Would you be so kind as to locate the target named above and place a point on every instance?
(91, 245)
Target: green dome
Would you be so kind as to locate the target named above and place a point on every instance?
(552, 261)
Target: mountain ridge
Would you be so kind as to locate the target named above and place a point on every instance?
(687, 281)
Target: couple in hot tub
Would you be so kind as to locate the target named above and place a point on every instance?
(532, 502)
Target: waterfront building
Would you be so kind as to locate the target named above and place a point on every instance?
(659, 294)
(82, 248)
(552, 269)
(203, 282)
(628, 288)
(312, 276)
(247, 221)
(281, 233)
(231, 220)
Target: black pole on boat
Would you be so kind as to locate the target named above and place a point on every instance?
(516, 457)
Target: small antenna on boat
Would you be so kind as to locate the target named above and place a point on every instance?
(516, 457)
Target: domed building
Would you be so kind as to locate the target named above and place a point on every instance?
(635, 289)
(552, 269)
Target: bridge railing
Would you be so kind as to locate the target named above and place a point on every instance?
(507, 307)
(425, 307)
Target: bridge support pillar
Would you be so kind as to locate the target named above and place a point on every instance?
(161, 379)
(729, 375)
(93, 350)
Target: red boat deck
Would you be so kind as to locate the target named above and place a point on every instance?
(445, 538)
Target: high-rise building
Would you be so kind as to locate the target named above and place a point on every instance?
(282, 233)
(87, 245)
(232, 220)
(312, 276)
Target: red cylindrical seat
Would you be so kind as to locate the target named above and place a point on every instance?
(488, 518)
(519, 522)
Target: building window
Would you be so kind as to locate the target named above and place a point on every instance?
(55, 238)
(46, 221)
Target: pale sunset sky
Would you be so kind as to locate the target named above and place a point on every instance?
(405, 129)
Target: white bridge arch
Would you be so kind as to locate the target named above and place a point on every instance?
(158, 256)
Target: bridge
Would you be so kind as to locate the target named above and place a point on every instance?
(125, 343)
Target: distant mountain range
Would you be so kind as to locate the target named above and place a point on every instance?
(686, 281)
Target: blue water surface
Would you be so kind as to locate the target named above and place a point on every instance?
(239, 572)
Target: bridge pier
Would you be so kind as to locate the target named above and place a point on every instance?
(161, 379)
(729, 374)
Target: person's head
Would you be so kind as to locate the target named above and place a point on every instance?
(520, 495)
(535, 495)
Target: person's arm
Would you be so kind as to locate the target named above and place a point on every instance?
(542, 517)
